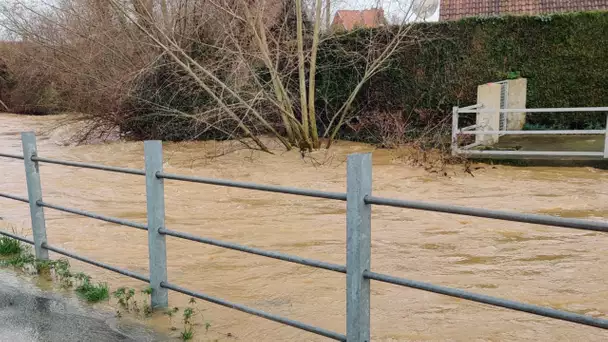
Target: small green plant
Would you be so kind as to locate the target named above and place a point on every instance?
(135, 307)
(513, 75)
(62, 271)
(25, 260)
(126, 299)
(188, 332)
(170, 313)
(124, 296)
(147, 309)
(188, 313)
(22, 259)
(9, 246)
(43, 266)
(93, 292)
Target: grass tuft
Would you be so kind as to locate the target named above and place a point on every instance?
(20, 260)
(93, 292)
(9, 246)
(187, 334)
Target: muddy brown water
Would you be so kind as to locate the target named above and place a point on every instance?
(556, 267)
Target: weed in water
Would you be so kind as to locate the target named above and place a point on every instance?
(147, 309)
(124, 296)
(21, 260)
(135, 307)
(170, 313)
(9, 246)
(82, 277)
(126, 300)
(62, 271)
(188, 313)
(187, 334)
(93, 292)
(44, 266)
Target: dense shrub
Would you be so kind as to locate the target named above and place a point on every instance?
(563, 56)
(26, 84)
(164, 102)
(7, 80)
(439, 65)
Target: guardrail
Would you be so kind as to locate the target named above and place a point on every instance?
(480, 129)
(359, 201)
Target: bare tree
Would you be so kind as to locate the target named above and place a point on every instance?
(252, 50)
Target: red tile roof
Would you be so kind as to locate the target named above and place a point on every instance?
(349, 19)
(456, 9)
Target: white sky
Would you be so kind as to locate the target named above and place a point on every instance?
(392, 8)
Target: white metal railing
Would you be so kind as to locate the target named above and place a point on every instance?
(478, 130)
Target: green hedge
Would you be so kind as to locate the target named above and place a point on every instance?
(563, 56)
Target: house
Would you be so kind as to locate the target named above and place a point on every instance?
(456, 9)
(346, 20)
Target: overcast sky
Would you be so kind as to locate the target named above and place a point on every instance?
(395, 10)
(392, 8)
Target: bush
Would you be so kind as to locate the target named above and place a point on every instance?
(157, 103)
(563, 56)
(439, 66)
(9, 246)
(93, 292)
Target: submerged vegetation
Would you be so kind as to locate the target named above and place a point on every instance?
(14, 254)
(9, 246)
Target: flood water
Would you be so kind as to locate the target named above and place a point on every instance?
(561, 268)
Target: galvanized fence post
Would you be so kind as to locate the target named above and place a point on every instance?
(454, 131)
(34, 193)
(358, 247)
(606, 139)
(155, 201)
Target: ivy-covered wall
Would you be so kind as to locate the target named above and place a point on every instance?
(563, 56)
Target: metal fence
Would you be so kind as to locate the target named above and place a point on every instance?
(483, 130)
(359, 201)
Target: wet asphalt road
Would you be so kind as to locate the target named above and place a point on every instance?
(30, 314)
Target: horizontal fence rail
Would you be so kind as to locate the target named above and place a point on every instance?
(296, 324)
(16, 198)
(253, 186)
(17, 237)
(487, 132)
(548, 132)
(534, 110)
(492, 214)
(274, 255)
(13, 156)
(97, 263)
(91, 166)
(479, 298)
(358, 274)
(93, 215)
(534, 153)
